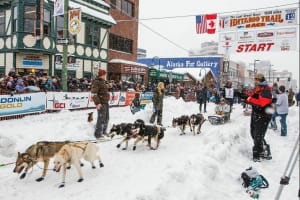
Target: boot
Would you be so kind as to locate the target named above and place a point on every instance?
(152, 118)
(159, 120)
(256, 157)
(266, 154)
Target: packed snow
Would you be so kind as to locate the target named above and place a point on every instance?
(206, 166)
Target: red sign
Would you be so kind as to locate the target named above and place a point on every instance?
(254, 47)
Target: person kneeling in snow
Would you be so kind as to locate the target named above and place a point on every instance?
(222, 113)
(223, 109)
(135, 104)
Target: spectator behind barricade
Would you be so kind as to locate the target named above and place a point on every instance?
(11, 84)
(20, 86)
(56, 83)
(12, 72)
(282, 109)
(291, 95)
(49, 85)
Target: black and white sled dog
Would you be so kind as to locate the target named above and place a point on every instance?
(182, 122)
(123, 129)
(196, 121)
(141, 131)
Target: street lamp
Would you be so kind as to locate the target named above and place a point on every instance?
(254, 72)
(204, 74)
(157, 74)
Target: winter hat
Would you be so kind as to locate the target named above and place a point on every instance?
(260, 77)
(282, 88)
(101, 72)
(222, 99)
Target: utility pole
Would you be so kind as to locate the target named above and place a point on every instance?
(64, 69)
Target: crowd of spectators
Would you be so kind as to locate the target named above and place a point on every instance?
(13, 83)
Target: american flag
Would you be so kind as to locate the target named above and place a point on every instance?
(201, 25)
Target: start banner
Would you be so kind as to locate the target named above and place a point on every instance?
(270, 40)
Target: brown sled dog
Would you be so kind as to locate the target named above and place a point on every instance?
(39, 152)
(90, 117)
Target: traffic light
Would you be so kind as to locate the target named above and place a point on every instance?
(277, 79)
(289, 79)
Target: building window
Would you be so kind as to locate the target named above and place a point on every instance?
(124, 6)
(47, 22)
(2, 22)
(29, 18)
(15, 25)
(60, 29)
(92, 35)
(59, 26)
(120, 44)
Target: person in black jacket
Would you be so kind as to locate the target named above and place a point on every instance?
(260, 99)
(201, 96)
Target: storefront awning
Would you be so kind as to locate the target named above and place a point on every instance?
(128, 62)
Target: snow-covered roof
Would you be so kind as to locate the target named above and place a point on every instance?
(126, 62)
(102, 3)
(92, 12)
(194, 72)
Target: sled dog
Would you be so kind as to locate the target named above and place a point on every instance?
(40, 152)
(141, 130)
(72, 153)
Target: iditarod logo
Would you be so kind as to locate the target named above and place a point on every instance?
(13, 102)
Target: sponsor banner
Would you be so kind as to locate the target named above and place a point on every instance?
(284, 39)
(19, 104)
(58, 7)
(129, 97)
(146, 98)
(67, 100)
(259, 19)
(114, 98)
(122, 99)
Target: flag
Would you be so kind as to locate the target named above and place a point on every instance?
(206, 23)
(201, 25)
(211, 23)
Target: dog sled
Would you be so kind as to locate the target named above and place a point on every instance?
(218, 119)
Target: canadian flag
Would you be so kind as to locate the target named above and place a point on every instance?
(211, 20)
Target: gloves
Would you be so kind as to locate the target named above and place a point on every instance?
(243, 96)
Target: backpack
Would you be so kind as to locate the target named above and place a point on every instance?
(252, 180)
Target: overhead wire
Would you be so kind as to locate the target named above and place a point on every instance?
(184, 16)
(219, 13)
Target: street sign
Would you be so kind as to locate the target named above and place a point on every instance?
(62, 41)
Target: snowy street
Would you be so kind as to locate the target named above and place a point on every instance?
(206, 166)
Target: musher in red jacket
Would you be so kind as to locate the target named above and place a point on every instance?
(260, 99)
